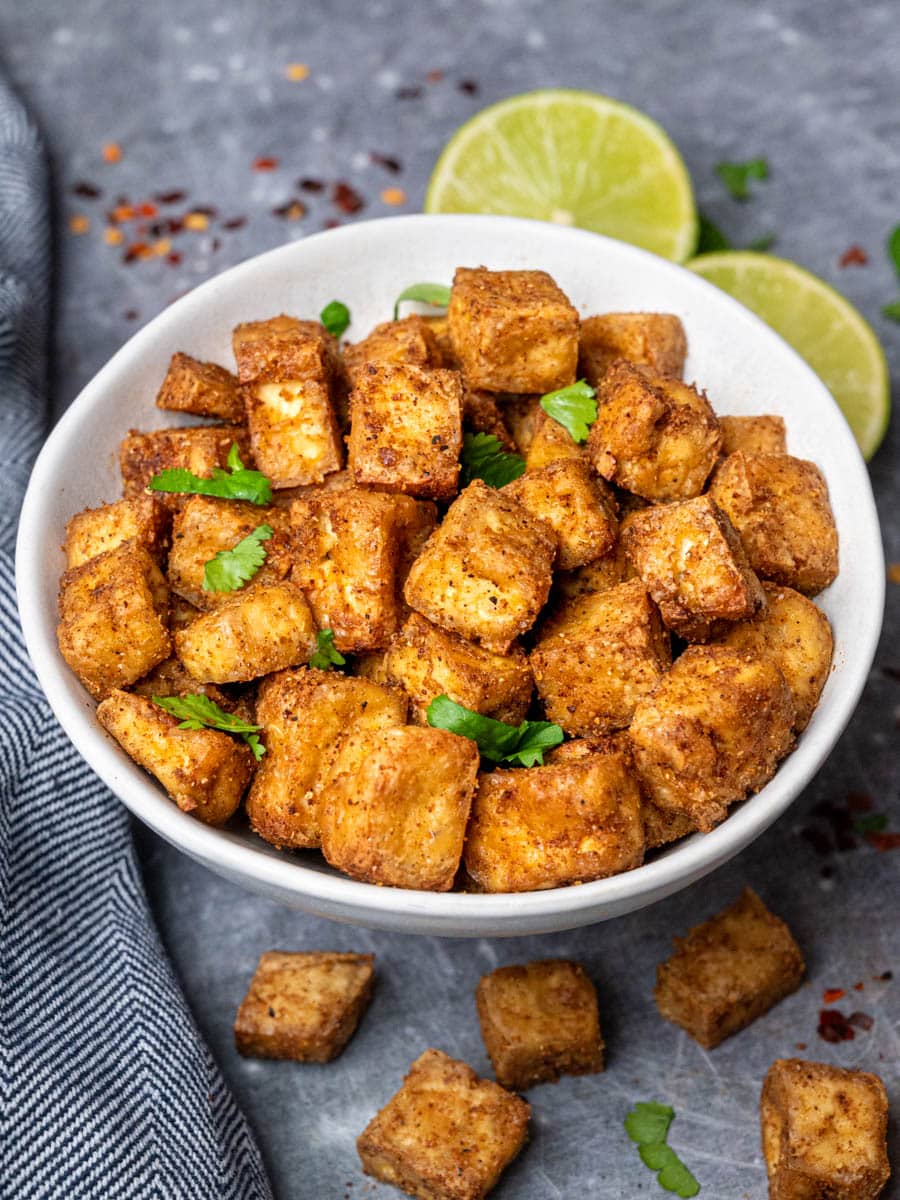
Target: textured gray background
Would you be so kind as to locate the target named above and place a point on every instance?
(193, 93)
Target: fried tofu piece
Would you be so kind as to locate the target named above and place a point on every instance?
(96, 530)
(112, 618)
(482, 414)
(540, 1021)
(304, 1006)
(654, 340)
(552, 443)
(728, 971)
(753, 435)
(693, 564)
(197, 448)
(797, 637)
(512, 331)
(204, 771)
(654, 435)
(303, 714)
(597, 656)
(202, 388)
(408, 342)
(446, 1135)
(485, 572)
(779, 505)
(427, 661)
(394, 805)
(575, 503)
(824, 1132)
(264, 627)
(712, 732)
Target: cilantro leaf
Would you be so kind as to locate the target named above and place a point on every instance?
(893, 247)
(326, 656)
(710, 238)
(199, 712)
(335, 317)
(230, 569)
(436, 294)
(736, 176)
(675, 1177)
(483, 457)
(892, 311)
(870, 823)
(517, 745)
(648, 1125)
(762, 244)
(649, 1122)
(574, 407)
(239, 484)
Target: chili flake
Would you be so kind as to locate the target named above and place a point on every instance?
(112, 152)
(830, 995)
(147, 209)
(296, 72)
(89, 191)
(434, 76)
(113, 237)
(859, 987)
(170, 197)
(468, 87)
(387, 161)
(234, 223)
(293, 210)
(310, 185)
(893, 572)
(79, 223)
(174, 258)
(393, 196)
(853, 256)
(196, 221)
(884, 841)
(131, 314)
(265, 163)
(162, 247)
(122, 212)
(135, 251)
(347, 198)
(408, 93)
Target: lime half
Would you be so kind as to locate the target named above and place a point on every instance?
(576, 158)
(821, 325)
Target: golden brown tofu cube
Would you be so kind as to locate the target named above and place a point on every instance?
(693, 564)
(112, 618)
(728, 971)
(410, 341)
(753, 435)
(197, 448)
(202, 388)
(303, 714)
(654, 435)
(779, 505)
(824, 1132)
(713, 731)
(265, 627)
(797, 637)
(406, 429)
(482, 414)
(540, 1021)
(428, 661)
(597, 656)
(96, 530)
(278, 348)
(485, 572)
(575, 503)
(304, 1006)
(551, 443)
(654, 340)
(204, 771)
(512, 331)
(394, 804)
(446, 1135)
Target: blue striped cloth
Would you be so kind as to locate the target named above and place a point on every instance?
(106, 1087)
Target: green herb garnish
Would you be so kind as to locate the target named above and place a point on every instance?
(870, 823)
(335, 317)
(436, 294)
(893, 247)
(892, 311)
(197, 711)
(648, 1125)
(711, 238)
(230, 569)
(483, 457)
(736, 176)
(574, 407)
(518, 745)
(326, 656)
(237, 483)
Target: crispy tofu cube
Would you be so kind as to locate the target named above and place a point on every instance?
(394, 805)
(482, 414)
(485, 572)
(597, 656)
(551, 443)
(264, 627)
(204, 771)
(303, 714)
(575, 503)
(446, 1135)
(512, 331)
(406, 429)
(824, 1132)
(540, 1021)
(654, 340)
(693, 564)
(112, 618)
(96, 530)
(779, 505)
(410, 342)
(654, 435)
(278, 348)
(202, 388)
(427, 661)
(713, 731)
(304, 1006)
(728, 971)
(197, 448)
(753, 435)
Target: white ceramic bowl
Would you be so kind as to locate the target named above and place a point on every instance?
(743, 365)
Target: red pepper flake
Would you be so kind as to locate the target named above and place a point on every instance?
(859, 987)
(311, 185)
(79, 223)
(408, 93)
(468, 87)
(216, 245)
(174, 225)
(331, 223)
(122, 212)
(861, 1020)
(205, 210)
(885, 977)
(89, 191)
(347, 198)
(293, 210)
(387, 161)
(147, 209)
(112, 152)
(173, 258)
(234, 223)
(131, 314)
(434, 76)
(830, 995)
(265, 163)
(893, 572)
(135, 251)
(799, 1045)
(170, 197)
(834, 1027)
(853, 256)
(884, 841)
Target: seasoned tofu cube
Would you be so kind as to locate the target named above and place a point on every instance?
(779, 505)
(713, 731)
(278, 348)
(304, 1006)
(96, 530)
(394, 805)
(197, 448)
(410, 342)
(446, 1135)
(693, 564)
(728, 971)
(824, 1132)
(204, 771)
(654, 435)
(482, 414)
(512, 331)
(264, 627)
(597, 656)
(550, 443)
(427, 661)
(753, 435)
(406, 429)
(202, 388)
(112, 618)
(654, 340)
(575, 503)
(485, 572)
(303, 714)
(539, 1021)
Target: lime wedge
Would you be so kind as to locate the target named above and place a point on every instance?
(820, 324)
(576, 158)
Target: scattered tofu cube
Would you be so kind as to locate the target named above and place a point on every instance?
(654, 340)
(482, 414)
(409, 342)
(96, 530)
(550, 443)
(197, 448)
(202, 388)
(279, 346)
(575, 503)
(753, 435)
